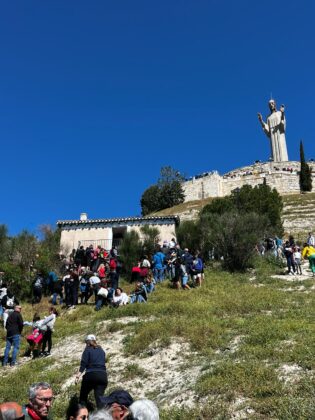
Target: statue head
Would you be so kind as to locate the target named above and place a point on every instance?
(272, 105)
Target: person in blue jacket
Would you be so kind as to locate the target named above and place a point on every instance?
(95, 377)
(158, 270)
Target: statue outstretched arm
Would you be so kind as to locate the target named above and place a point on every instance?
(265, 126)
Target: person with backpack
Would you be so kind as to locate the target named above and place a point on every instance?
(8, 302)
(38, 289)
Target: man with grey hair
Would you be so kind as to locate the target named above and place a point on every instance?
(144, 409)
(102, 414)
(41, 397)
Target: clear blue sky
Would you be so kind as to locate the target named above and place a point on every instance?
(96, 96)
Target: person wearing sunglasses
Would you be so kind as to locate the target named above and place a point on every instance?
(40, 402)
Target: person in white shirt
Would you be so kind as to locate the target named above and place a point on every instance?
(297, 260)
(120, 298)
(95, 283)
(311, 239)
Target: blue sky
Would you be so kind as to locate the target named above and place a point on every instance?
(96, 96)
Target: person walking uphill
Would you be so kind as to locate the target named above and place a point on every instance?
(309, 252)
(95, 377)
(14, 327)
(47, 327)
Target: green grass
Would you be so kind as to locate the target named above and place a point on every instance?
(270, 326)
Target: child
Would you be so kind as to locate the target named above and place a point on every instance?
(297, 260)
(34, 340)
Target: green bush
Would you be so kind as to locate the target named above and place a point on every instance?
(130, 251)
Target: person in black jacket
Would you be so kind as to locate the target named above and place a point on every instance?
(93, 364)
(14, 327)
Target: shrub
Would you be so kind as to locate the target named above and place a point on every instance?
(130, 251)
(234, 237)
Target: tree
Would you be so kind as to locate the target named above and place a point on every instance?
(168, 192)
(48, 250)
(150, 200)
(305, 172)
(189, 235)
(261, 200)
(4, 243)
(234, 235)
(130, 251)
(150, 239)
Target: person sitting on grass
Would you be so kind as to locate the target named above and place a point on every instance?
(120, 298)
(149, 283)
(139, 295)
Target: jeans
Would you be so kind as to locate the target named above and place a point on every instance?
(137, 299)
(54, 299)
(149, 287)
(15, 342)
(158, 274)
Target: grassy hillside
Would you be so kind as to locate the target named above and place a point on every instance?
(242, 346)
(298, 212)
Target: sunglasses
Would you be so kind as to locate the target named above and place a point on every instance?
(45, 400)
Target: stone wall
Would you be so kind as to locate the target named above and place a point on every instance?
(283, 176)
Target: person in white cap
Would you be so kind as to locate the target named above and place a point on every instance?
(93, 364)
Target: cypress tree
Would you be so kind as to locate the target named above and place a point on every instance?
(305, 172)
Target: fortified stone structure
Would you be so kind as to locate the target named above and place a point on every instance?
(284, 176)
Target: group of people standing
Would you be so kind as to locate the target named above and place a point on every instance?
(294, 255)
(38, 340)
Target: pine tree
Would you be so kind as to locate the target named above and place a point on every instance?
(305, 172)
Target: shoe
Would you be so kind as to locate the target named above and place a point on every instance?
(290, 274)
(46, 353)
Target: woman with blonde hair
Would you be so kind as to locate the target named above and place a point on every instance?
(95, 376)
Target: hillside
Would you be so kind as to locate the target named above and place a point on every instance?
(240, 347)
(298, 212)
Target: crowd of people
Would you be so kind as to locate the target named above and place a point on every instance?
(118, 405)
(293, 253)
(99, 277)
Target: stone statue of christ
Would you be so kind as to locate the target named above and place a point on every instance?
(274, 128)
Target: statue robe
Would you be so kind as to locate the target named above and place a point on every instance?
(275, 130)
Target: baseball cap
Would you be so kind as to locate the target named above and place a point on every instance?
(120, 396)
(90, 337)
